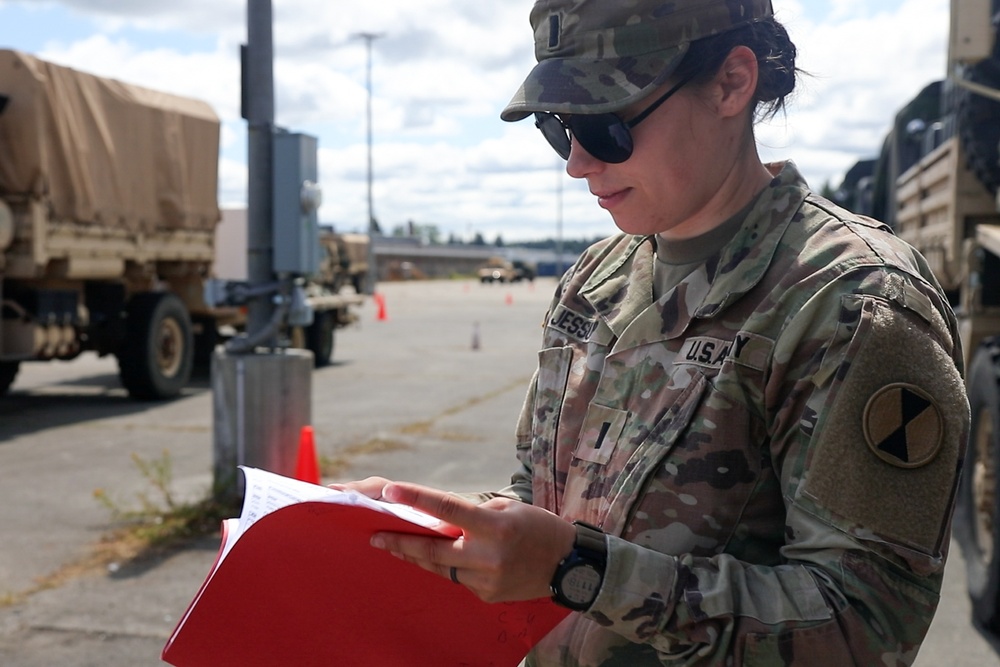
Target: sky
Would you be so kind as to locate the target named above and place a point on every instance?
(442, 70)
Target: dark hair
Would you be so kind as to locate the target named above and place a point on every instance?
(775, 53)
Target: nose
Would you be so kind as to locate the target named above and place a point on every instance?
(582, 164)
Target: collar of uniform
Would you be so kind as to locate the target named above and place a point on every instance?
(622, 287)
(743, 261)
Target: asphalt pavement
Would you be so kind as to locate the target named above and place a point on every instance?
(430, 394)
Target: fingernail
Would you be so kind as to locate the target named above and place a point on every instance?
(378, 542)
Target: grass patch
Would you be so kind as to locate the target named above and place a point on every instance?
(160, 525)
(161, 522)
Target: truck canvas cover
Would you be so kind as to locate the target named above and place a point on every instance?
(101, 152)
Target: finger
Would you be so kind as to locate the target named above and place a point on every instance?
(371, 486)
(441, 504)
(431, 553)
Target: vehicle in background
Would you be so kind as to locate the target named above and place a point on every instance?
(108, 216)
(936, 184)
(523, 270)
(344, 261)
(498, 269)
(338, 286)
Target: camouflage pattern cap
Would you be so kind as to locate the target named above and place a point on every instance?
(596, 56)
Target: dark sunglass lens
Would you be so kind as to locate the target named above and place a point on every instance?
(603, 136)
(554, 133)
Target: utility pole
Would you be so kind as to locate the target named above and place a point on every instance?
(370, 37)
(261, 392)
(258, 109)
(559, 219)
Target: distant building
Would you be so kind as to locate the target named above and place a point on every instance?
(396, 257)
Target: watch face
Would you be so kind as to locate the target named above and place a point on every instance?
(580, 584)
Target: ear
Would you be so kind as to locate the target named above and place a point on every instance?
(736, 82)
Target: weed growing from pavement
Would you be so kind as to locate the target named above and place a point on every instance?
(161, 521)
(160, 524)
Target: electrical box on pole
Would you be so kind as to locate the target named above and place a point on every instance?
(297, 196)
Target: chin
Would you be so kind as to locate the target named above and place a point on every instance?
(636, 227)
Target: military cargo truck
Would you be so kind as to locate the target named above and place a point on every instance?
(343, 261)
(936, 183)
(108, 216)
(339, 284)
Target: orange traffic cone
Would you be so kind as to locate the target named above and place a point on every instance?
(307, 462)
(380, 302)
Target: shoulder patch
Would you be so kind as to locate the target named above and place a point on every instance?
(903, 425)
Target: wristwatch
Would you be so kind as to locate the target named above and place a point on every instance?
(579, 575)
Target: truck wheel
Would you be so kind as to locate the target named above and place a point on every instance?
(8, 371)
(978, 502)
(155, 358)
(319, 337)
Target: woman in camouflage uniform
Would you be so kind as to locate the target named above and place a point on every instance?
(751, 398)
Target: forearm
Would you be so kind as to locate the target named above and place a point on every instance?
(842, 608)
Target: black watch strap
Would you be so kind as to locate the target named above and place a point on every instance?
(578, 578)
(591, 539)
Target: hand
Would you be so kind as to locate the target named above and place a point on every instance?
(508, 550)
(371, 487)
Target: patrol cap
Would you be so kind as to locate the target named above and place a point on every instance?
(596, 56)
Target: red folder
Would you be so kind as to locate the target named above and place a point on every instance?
(302, 587)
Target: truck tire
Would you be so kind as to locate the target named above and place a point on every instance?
(155, 358)
(978, 505)
(319, 337)
(8, 371)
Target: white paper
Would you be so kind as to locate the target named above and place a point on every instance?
(267, 491)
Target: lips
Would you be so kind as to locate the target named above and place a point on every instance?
(610, 198)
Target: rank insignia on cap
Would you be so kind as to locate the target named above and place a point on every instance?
(903, 425)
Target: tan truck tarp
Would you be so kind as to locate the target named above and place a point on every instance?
(102, 152)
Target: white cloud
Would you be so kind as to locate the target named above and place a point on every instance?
(443, 69)
(863, 66)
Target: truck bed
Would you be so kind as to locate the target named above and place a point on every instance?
(95, 169)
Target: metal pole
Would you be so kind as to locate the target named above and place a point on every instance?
(259, 97)
(372, 228)
(559, 219)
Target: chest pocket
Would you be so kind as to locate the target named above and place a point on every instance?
(619, 450)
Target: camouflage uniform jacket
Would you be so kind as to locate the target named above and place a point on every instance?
(772, 447)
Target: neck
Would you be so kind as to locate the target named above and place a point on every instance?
(746, 177)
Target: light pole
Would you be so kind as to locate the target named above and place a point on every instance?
(559, 218)
(259, 114)
(370, 37)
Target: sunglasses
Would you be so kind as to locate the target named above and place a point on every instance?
(604, 135)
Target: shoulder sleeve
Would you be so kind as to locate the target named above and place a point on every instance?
(867, 419)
